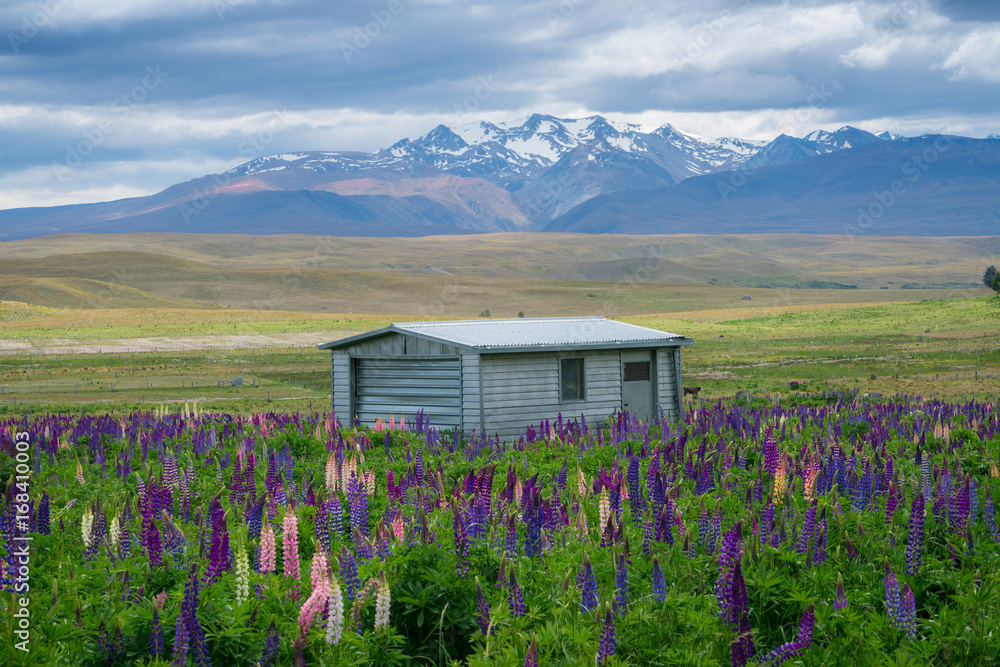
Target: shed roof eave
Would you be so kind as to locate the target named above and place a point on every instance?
(392, 328)
(606, 345)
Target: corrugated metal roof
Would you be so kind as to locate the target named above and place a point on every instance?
(531, 333)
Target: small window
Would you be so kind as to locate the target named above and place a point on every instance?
(571, 379)
(636, 371)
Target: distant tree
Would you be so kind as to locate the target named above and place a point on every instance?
(991, 272)
(996, 282)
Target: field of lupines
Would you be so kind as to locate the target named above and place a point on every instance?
(851, 532)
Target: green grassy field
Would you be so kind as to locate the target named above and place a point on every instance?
(943, 348)
(109, 321)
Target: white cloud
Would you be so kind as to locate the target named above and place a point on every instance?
(977, 57)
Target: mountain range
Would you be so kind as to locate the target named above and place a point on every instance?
(594, 175)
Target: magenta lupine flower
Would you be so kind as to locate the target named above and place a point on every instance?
(915, 542)
(514, 595)
(607, 645)
(531, 659)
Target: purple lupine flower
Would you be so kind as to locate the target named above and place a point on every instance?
(156, 634)
(510, 537)
(270, 647)
(915, 543)
(621, 583)
(770, 453)
(659, 583)
(808, 526)
(607, 645)
(636, 501)
(514, 595)
(893, 601)
(44, 525)
(349, 570)
(841, 601)
(151, 537)
(588, 599)
(358, 503)
(729, 557)
(989, 518)
(908, 608)
(819, 550)
(483, 607)
(531, 659)
(664, 532)
(461, 541)
(742, 646)
(793, 648)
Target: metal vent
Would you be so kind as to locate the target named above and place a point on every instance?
(636, 371)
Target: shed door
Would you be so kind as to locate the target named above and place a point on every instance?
(386, 387)
(638, 383)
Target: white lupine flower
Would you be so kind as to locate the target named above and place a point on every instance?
(242, 575)
(86, 527)
(382, 603)
(335, 613)
(114, 531)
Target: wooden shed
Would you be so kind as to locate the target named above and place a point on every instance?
(497, 376)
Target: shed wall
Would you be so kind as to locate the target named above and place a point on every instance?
(519, 389)
(667, 382)
(340, 371)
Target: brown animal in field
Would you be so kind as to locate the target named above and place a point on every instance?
(691, 391)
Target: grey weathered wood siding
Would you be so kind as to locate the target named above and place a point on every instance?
(667, 377)
(520, 389)
(340, 371)
(399, 344)
(471, 396)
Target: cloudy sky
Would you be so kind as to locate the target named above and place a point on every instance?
(101, 100)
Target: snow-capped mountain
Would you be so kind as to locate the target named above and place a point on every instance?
(552, 164)
(785, 149)
(538, 172)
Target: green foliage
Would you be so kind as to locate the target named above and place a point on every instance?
(990, 273)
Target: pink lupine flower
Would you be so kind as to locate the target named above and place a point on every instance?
(290, 545)
(267, 555)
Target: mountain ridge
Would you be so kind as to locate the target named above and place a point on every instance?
(537, 172)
